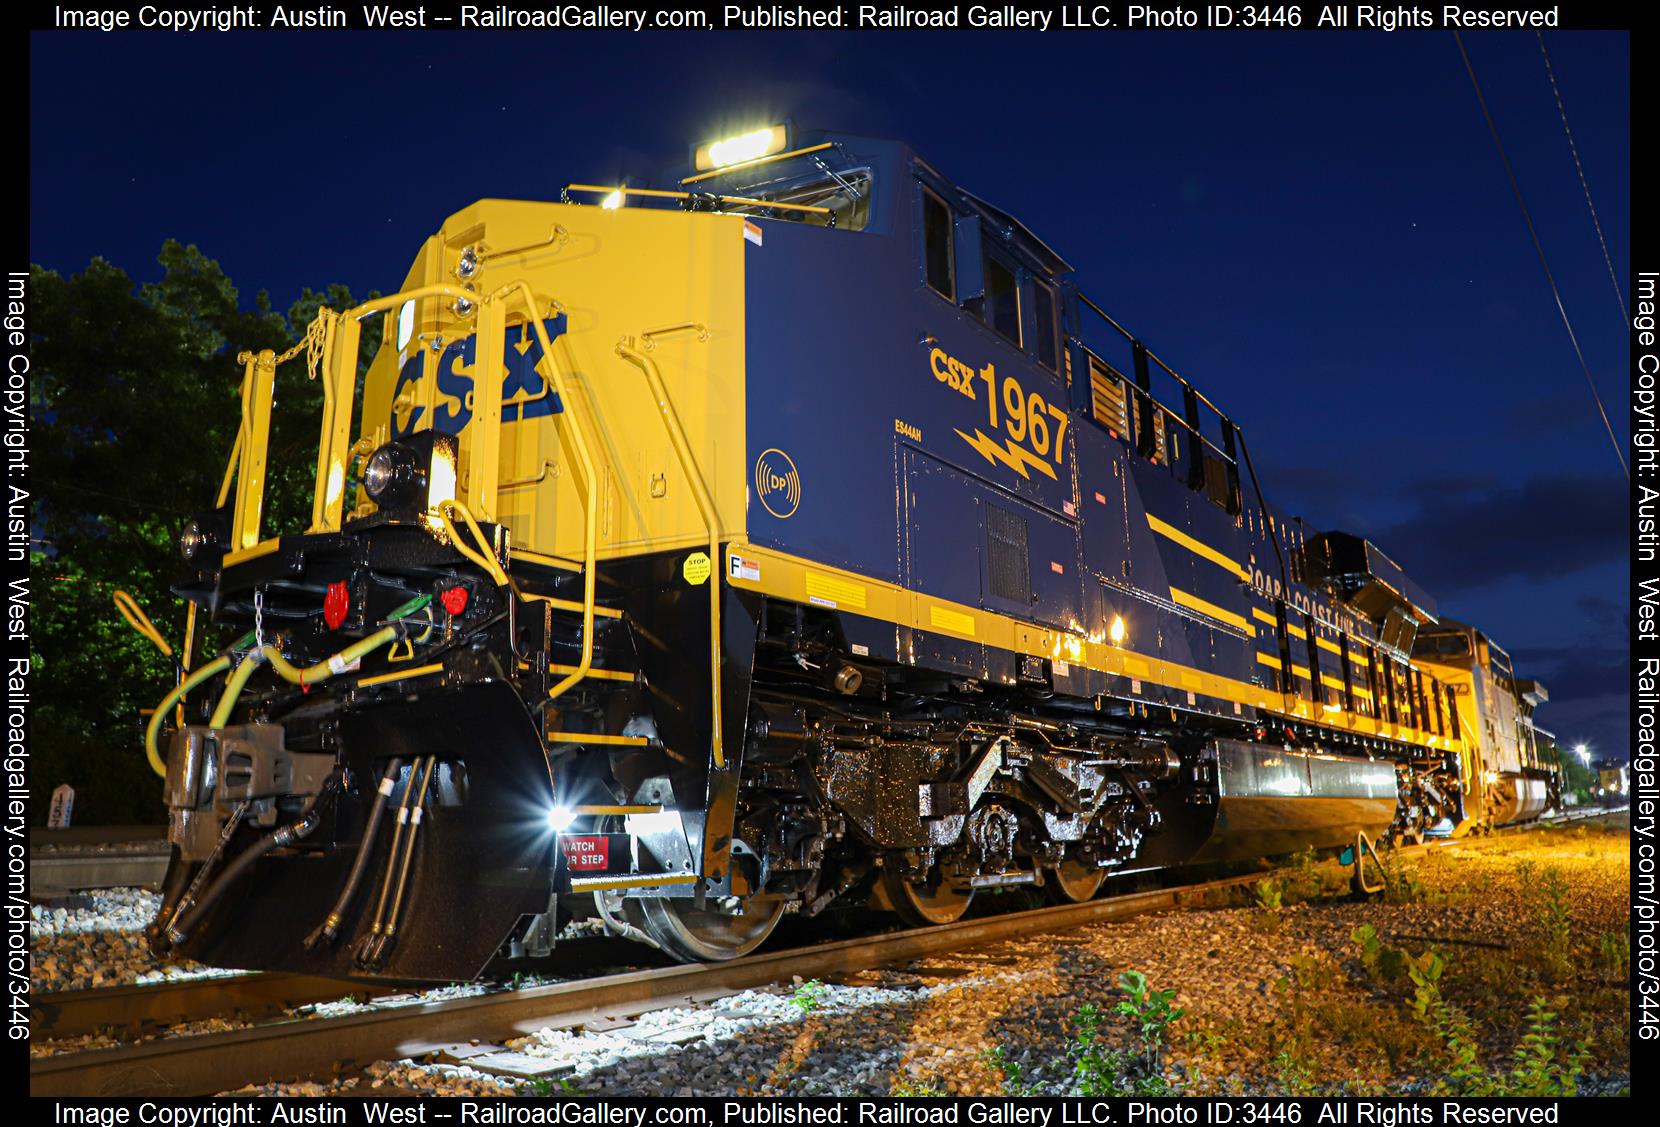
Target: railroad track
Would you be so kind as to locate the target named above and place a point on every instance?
(205, 1063)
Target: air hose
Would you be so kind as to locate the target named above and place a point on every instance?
(212, 669)
(180, 932)
(311, 675)
(330, 929)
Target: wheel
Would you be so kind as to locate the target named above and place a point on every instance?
(1073, 881)
(922, 905)
(692, 935)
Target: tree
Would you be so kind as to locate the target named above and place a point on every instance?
(135, 406)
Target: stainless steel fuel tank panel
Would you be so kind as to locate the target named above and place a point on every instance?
(1274, 801)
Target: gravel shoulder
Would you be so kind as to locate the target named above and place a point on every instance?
(1272, 1000)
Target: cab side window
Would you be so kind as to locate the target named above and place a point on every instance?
(1002, 309)
(937, 249)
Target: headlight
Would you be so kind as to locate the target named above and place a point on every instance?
(192, 540)
(394, 475)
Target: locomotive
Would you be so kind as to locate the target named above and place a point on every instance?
(797, 533)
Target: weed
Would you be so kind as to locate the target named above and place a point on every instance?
(1614, 953)
(1095, 1067)
(1381, 961)
(1547, 898)
(809, 996)
(1013, 1074)
(1541, 1065)
(1270, 894)
(349, 1000)
(1400, 884)
(920, 1089)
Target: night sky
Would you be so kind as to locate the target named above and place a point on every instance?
(1315, 228)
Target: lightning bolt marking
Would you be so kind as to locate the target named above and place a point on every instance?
(1015, 457)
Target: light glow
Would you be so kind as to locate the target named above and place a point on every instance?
(744, 147)
(1117, 631)
(560, 819)
(613, 201)
(406, 323)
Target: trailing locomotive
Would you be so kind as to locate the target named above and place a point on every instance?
(800, 532)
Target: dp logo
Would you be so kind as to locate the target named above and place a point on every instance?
(777, 483)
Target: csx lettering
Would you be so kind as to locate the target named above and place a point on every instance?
(952, 372)
(524, 393)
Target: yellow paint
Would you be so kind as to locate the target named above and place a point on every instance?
(1301, 671)
(594, 277)
(1269, 660)
(264, 548)
(1296, 631)
(1331, 647)
(1221, 614)
(591, 884)
(1331, 682)
(602, 674)
(401, 675)
(828, 589)
(1204, 551)
(1264, 617)
(955, 621)
(595, 738)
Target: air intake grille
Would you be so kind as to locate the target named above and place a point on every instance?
(1006, 555)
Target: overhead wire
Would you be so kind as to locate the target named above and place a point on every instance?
(1527, 217)
(1573, 148)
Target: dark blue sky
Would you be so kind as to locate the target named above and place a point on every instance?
(1313, 227)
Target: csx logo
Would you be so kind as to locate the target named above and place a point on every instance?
(524, 393)
(777, 483)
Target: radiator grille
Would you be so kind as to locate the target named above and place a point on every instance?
(1006, 555)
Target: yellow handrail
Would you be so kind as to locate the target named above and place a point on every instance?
(658, 193)
(705, 507)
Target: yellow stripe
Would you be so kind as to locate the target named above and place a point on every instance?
(782, 578)
(602, 674)
(616, 810)
(401, 675)
(1332, 646)
(543, 560)
(574, 607)
(1194, 602)
(822, 588)
(1331, 682)
(1264, 617)
(1172, 533)
(1360, 692)
(1296, 631)
(954, 621)
(1300, 671)
(243, 555)
(1269, 660)
(589, 884)
(594, 738)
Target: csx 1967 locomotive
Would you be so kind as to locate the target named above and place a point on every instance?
(798, 532)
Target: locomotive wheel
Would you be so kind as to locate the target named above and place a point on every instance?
(1073, 881)
(691, 935)
(921, 905)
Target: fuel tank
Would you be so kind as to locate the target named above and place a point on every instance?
(1273, 801)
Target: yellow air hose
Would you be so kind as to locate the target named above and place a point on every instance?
(211, 669)
(287, 671)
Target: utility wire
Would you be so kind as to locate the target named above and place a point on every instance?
(1528, 218)
(1583, 183)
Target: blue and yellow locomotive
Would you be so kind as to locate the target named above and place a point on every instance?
(801, 531)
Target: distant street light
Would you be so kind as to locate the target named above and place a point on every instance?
(1584, 753)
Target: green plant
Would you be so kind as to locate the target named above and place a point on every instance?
(809, 996)
(1614, 953)
(1547, 897)
(1380, 960)
(921, 1089)
(1270, 894)
(1014, 1083)
(1400, 884)
(1095, 1067)
(1541, 1065)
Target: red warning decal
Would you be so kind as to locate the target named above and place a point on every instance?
(586, 853)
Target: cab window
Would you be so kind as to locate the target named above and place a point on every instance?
(1043, 300)
(937, 250)
(1002, 309)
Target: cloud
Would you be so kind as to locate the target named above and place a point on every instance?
(1470, 534)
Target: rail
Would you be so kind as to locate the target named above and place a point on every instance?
(622, 193)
